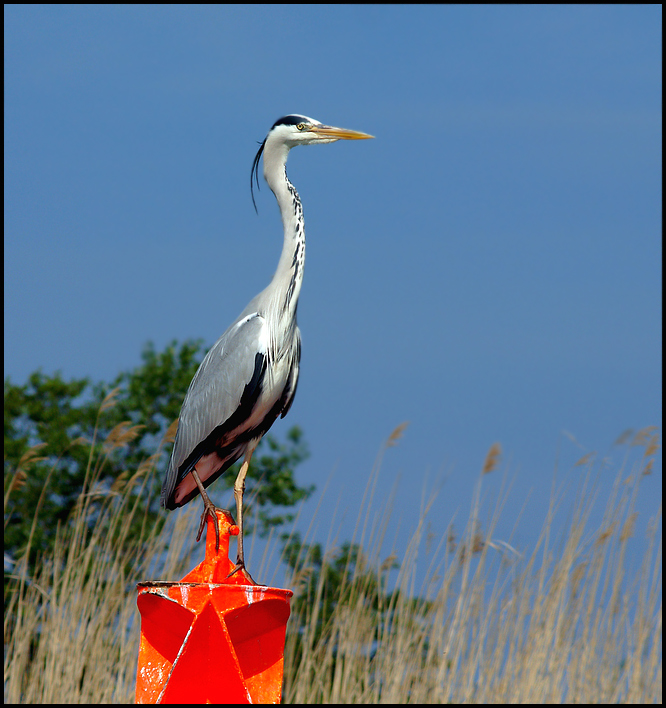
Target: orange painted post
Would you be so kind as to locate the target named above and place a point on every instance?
(209, 638)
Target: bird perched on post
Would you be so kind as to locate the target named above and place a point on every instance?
(249, 376)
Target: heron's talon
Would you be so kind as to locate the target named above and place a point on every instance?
(240, 566)
(210, 509)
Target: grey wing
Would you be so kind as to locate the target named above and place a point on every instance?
(216, 389)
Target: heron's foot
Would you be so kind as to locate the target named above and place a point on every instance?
(240, 565)
(210, 510)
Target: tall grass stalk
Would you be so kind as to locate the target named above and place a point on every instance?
(562, 622)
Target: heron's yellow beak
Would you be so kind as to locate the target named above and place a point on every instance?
(328, 131)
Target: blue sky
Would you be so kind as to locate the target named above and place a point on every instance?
(488, 268)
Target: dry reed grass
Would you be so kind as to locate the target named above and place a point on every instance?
(565, 624)
(71, 629)
(562, 624)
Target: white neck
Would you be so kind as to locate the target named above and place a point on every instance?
(286, 283)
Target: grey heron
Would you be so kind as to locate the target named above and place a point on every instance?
(249, 376)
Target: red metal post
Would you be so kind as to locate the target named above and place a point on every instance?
(209, 638)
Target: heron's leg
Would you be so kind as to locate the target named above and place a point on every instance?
(239, 489)
(209, 509)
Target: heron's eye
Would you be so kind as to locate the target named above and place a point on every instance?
(301, 126)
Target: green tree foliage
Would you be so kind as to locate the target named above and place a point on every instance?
(56, 430)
